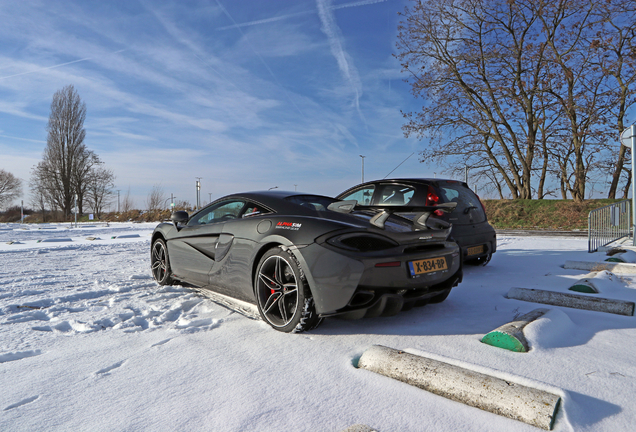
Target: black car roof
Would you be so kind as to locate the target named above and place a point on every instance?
(275, 199)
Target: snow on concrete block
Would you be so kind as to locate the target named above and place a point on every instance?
(621, 256)
(598, 282)
(505, 398)
(576, 301)
(92, 238)
(510, 336)
(359, 428)
(617, 268)
(125, 236)
(55, 240)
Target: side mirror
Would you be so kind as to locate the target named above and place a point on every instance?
(179, 217)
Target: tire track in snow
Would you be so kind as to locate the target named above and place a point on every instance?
(22, 402)
(15, 356)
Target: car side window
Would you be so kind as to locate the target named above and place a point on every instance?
(362, 195)
(397, 195)
(252, 209)
(220, 212)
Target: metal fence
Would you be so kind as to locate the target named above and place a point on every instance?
(608, 224)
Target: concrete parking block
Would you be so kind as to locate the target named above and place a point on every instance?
(498, 396)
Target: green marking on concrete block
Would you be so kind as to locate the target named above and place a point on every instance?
(503, 340)
(583, 288)
(616, 260)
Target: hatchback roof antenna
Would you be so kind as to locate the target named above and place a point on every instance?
(398, 165)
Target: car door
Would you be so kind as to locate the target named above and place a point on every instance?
(235, 250)
(193, 250)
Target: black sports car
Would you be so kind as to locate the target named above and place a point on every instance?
(471, 230)
(302, 257)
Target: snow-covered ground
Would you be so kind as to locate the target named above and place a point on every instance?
(88, 342)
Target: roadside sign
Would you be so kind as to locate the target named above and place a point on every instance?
(626, 137)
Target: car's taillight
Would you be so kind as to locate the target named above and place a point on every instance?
(431, 197)
(362, 242)
(389, 264)
(482, 203)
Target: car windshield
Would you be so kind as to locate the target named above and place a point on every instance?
(313, 202)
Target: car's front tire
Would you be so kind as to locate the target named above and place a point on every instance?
(160, 264)
(283, 297)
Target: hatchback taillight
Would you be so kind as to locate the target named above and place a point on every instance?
(482, 203)
(431, 197)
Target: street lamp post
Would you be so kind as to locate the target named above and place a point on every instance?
(198, 192)
(362, 167)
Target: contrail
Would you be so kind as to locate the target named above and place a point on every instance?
(266, 20)
(23, 139)
(46, 68)
(260, 57)
(355, 4)
(284, 17)
(54, 66)
(332, 31)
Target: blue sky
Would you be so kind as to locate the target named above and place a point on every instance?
(246, 94)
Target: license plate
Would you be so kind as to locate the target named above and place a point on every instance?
(427, 266)
(475, 250)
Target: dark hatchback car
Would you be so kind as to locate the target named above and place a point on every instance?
(471, 230)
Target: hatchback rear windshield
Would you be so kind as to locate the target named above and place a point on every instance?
(468, 210)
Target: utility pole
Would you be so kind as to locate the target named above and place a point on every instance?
(209, 197)
(362, 167)
(295, 187)
(118, 190)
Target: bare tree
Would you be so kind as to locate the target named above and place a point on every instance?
(155, 198)
(533, 86)
(10, 187)
(99, 189)
(615, 44)
(127, 203)
(67, 162)
(38, 199)
(479, 66)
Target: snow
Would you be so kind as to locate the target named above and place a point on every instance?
(89, 342)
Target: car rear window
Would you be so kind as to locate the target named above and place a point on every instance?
(314, 202)
(468, 210)
(392, 194)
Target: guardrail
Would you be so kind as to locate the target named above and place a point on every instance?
(608, 224)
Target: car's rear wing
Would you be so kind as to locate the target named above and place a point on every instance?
(422, 213)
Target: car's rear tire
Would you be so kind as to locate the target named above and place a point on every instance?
(160, 263)
(481, 261)
(283, 297)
